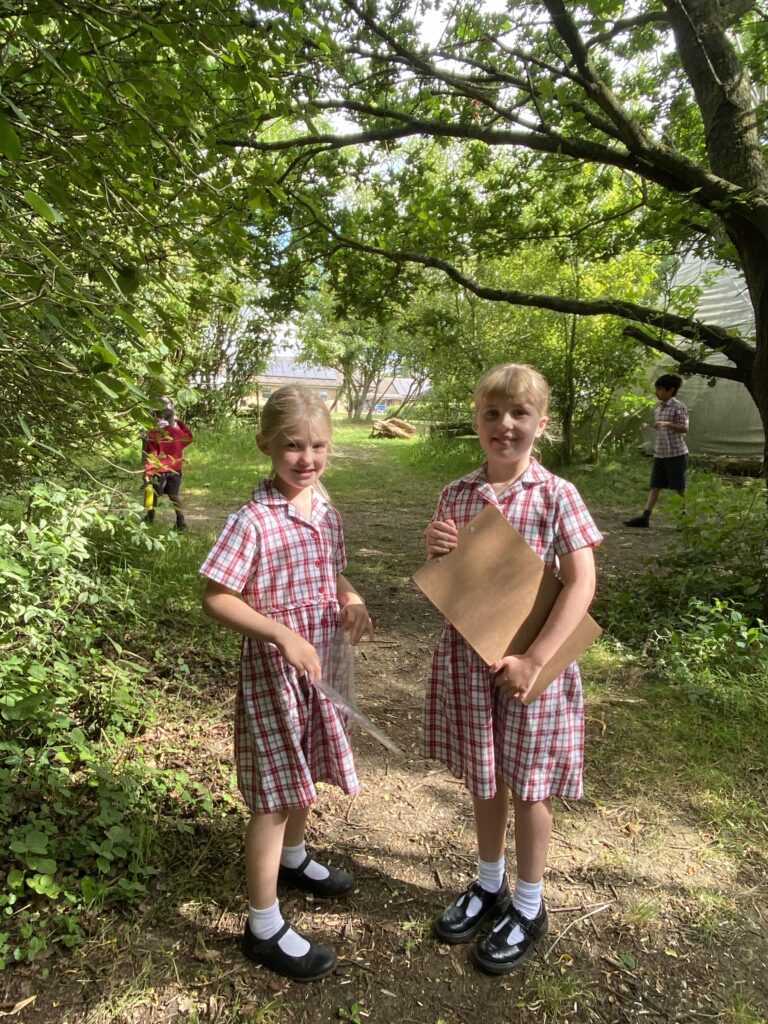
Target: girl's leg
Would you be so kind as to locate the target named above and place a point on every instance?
(263, 845)
(533, 830)
(462, 919)
(309, 874)
(491, 818)
(295, 826)
(515, 933)
(268, 940)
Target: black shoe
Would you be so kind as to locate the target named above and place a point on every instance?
(338, 882)
(454, 924)
(638, 521)
(315, 964)
(181, 526)
(149, 517)
(497, 954)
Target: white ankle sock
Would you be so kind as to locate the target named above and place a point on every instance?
(527, 900)
(265, 923)
(292, 856)
(490, 875)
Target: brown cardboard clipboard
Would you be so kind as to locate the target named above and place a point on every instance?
(497, 592)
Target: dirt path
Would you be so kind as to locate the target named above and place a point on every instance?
(651, 919)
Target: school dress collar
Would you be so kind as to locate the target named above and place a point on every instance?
(265, 493)
(534, 475)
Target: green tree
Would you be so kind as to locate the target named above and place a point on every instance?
(658, 100)
(366, 351)
(112, 197)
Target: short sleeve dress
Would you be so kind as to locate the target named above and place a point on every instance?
(470, 725)
(288, 736)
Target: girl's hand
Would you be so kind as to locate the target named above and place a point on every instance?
(515, 676)
(356, 622)
(441, 537)
(301, 655)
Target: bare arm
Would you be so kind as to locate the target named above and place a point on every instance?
(228, 607)
(577, 570)
(516, 675)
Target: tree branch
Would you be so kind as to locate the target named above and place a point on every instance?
(685, 361)
(712, 336)
(679, 175)
(626, 25)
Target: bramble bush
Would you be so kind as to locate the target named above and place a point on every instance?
(77, 800)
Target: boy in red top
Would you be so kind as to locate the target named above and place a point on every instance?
(163, 449)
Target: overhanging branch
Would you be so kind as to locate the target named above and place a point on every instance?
(684, 360)
(716, 338)
(660, 165)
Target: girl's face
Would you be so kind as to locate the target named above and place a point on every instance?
(507, 429)
(298, 461)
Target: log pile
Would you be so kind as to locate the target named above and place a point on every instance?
(393, 428)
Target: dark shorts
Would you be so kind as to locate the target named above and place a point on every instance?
(167, 483)
(670, 472)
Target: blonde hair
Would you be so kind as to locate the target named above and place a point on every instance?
(289, 409)
(513, 380)
(292, 407)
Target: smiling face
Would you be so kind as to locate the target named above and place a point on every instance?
(298, 460)
(507, 429)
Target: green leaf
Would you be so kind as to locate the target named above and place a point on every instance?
(15, 879)
(42, 208)
(25, 429)
(105, 388)
(34, 841)
(10, 144)
(132, 322)
(42, 865)
(104, 351)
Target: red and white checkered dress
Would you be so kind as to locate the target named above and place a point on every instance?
(470, 725)
(288, 736)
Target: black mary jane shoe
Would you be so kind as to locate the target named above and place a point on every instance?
(497, 954)
(316, 963)
(455, 925)
(338, 882)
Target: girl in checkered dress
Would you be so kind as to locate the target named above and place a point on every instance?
(275, 575)
(475, 722)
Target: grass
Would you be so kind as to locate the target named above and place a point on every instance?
(555, 993)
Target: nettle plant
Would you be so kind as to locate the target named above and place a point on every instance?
(77, 799)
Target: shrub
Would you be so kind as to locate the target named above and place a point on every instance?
(719, 656)
(716, 555)
(76, 799)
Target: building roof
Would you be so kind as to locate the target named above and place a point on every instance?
(287, 366)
